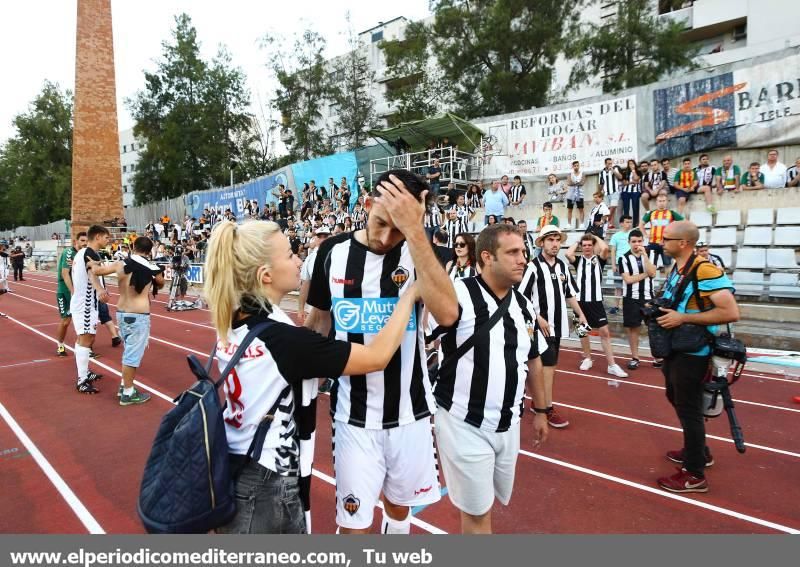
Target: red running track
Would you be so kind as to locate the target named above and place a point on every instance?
(597, 476)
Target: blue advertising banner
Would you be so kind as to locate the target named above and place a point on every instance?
(234, 198)
(321, 169)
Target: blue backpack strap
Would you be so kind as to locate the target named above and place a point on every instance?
(257, 445)
(252, 334)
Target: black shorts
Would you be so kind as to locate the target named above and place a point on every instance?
(684, 194)
(550, 356)
(595, 313)
(632, 312)
(577, 203)
(102, 312)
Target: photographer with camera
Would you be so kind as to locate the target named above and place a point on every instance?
(700, 297)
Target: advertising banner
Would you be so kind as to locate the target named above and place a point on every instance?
(749, 107)
(547, 142)
(233, 198)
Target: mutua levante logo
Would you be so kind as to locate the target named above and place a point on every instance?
(365, 315)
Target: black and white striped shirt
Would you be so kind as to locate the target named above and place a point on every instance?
(474, 200)
(608, 180)
(359, 219)
(485, 386)
(433, 217)
(530, 245)
(464, 213)
(590, 277)
(633, 265)
(360, 289)
(517, 191)
(631, 187)
(459, 272)
(548, 287)
(453, 228)
(654, 179)
(791, 173)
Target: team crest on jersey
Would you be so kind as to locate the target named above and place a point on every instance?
(400, 276)
(351, 504)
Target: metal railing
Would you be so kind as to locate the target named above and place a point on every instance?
(459, 167)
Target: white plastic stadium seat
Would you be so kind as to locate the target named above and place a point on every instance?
(751, 258)
(726, 254)
(748, 283)
(784, 285)
(787, 236)
(723, 236)
(789, 216)
(572, 238)
(782, 258)
(760, 217)
(757, 236)
(701, 218)
(730, 217)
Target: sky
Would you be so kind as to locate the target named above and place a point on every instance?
(37, 39)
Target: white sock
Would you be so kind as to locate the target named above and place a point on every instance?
(396, 527)
(82, 361)
(127, 391)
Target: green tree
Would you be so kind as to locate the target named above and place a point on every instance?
(36, 164)
(636, 48)
(350, 92)
(190, 112)
(413, 86)
(303, 90)
(498, 56)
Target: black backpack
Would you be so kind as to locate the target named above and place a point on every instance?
(188, 485)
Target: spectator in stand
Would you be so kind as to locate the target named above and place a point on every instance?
(659, 219)
(611, 181)
(669, 175)
(505, 186)
(631, 191)
(575, 194)
(707, 178)
(528, 239)
(491, 219)
(333, 189)
(753, 179)
(434, 177)
(686, 183)
(652, 184)
(463, 265)
(518, 192)
(598, 217)
(619, 246)
(704, 251)
(495, 202)
(450, 192)
(474, 196)
(28, 250)
(556, 191)
(165, 220)
(793, 174)
(443, 252)
(728, 176)
(774, 171)
(547, 217)
(509, 220)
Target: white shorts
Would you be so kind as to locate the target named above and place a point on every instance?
(400, 462)
(612, 199)
(477, 465)
(84, 317)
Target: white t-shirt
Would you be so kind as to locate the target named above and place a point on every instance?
(775, 177)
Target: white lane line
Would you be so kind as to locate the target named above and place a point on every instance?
(37, 361)
(64, 490)
(578, 468)
(414, 520)
(654, 387)
(420, 523)
(664, 494)
(184, 321)
(678, 429)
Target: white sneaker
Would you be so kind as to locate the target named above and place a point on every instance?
(586, 364)
(616, 370)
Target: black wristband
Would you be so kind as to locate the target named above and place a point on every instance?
(546, 411)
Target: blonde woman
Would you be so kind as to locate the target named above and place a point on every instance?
(250, 268)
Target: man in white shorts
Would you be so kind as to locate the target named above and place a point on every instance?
(383, 441)
(488, 356)
(83, 305)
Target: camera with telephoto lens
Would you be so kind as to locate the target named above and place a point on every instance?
(659, 337)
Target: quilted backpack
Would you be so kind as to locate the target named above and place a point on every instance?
(188, 485)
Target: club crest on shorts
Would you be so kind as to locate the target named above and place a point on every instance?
(351, 504)
(400, 276)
